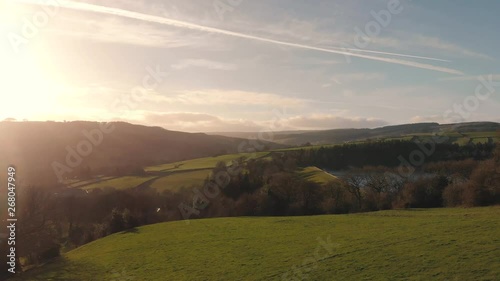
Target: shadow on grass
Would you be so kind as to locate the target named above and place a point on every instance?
(51, 270)
(414, 209)
(173, 168)
(134, 230)
(64, 269)
(307, 175)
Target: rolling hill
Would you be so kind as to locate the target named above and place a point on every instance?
(34, 146)
(348, 135)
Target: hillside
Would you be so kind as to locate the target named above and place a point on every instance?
(34, 146)
(349, 135)
(415, 244)
(171, 176)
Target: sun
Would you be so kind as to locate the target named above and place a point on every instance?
(26, 85)
(26, 88)
(12, 14)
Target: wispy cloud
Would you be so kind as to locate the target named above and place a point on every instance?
(356, 77)
(329, 121)
(314, 32)
(230, 97)
(113, 30)
(437, 43)
(425, 43)
(200, 122)
(430, 118)
(181, 24)
(495, 77)
(203, 63)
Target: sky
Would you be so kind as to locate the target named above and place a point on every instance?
(250, 65)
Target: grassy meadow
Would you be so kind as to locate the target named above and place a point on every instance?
(203, 163)
(184, 179)
(120, 183)
(317, 175)
(172, 176)
(415, 244)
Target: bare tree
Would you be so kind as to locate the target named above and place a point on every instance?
(354, 182)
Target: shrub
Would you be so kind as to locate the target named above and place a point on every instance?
(453, 195)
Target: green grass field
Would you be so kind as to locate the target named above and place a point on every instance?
(203, 163)
(185, 174)
(482, 134)
(478, 137)
(180, 180)
(433, 244)
(453, 134)
(480, 140)
(317, 175)
(77, 183)
(120, 183)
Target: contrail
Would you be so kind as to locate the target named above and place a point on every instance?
(386, 53)
(181, 24)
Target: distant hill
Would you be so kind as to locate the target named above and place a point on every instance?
(33, 146)
(348, 135)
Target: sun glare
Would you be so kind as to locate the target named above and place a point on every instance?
(11, 14)
(26, 88)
